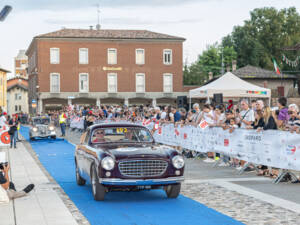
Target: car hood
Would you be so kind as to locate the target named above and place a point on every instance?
(120, 152)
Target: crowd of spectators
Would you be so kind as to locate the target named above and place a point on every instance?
(244, 114)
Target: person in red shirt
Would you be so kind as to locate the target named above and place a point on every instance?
(230, 106)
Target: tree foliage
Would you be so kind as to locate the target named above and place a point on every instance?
(260, 39)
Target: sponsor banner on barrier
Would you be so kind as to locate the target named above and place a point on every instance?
(272, 148)
(5, 137)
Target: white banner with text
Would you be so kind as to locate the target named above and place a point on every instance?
(272, 147)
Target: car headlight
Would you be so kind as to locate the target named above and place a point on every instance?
(34, 129)
(108, 163)
(178, 161)
(51, 128)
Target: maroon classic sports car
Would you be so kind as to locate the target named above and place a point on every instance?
(124, 156)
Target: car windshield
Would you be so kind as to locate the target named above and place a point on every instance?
(45, 121)
(121, 134)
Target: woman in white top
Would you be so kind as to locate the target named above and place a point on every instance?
(219, 115)
(207, 115)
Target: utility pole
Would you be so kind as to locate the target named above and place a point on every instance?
(222, 63)
(4, 12)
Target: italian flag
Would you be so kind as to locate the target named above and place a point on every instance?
(277, 70)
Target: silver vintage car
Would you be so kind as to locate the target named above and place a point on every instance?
(41, 127)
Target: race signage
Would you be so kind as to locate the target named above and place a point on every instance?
(4, 136)
(271, 148)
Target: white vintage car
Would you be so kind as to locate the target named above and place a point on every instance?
(41, 127)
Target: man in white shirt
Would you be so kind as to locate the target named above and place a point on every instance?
(164, 113)
(197, 113)
(246, 116)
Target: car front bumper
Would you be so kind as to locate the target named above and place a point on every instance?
(43, 135)
(141, 182)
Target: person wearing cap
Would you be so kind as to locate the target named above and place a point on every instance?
(230, 106)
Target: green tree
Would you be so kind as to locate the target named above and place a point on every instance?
(208, 61)
(263, 36)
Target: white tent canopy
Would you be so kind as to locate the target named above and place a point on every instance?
(230, 86)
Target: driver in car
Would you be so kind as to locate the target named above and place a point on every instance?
(128, 136)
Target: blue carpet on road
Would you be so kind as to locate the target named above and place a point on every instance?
(121, 208)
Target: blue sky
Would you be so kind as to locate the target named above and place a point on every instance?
(201, 22)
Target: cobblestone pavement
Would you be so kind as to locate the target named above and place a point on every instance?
(242, 207)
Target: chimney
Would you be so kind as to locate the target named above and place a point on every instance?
(91, 27)
(228, 68)
(233, 65)
(210, 75)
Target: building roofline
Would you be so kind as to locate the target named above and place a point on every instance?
(5, 71)
(111, 34)
(17, 85)
(114, 39)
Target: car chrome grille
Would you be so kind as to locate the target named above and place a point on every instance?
(42, 129)
(143, 168)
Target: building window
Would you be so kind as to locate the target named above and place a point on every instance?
(83, 56)
(54, 55)
(168, 83)
(111, 56)
(18, 96)
(140, 56)
(83, 82)
(54, 82)
(140, 82)
(16, 108)
(112, 82)
(167, 56)
(20, 108)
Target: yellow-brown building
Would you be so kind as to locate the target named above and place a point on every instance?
(21, 63)
(3, 88)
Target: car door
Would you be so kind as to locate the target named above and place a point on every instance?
(80, 153)
(86, 155)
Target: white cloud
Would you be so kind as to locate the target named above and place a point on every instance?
(201, 22)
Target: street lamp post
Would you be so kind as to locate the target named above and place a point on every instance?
(4, 12)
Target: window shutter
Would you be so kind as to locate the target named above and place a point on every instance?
(280, 91)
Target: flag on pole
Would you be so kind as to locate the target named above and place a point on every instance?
(277, 70)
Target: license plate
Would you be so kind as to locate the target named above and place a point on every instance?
(144, 187)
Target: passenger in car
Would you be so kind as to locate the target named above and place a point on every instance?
(100, 136)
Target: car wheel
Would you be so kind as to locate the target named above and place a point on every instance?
(173, 190)
(79, 180)
(97, 188)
